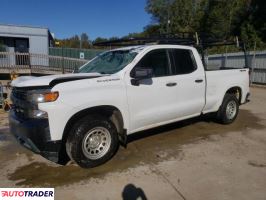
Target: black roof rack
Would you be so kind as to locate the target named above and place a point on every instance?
(183, 38)
(143, 41)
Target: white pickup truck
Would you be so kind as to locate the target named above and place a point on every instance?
(86, 115)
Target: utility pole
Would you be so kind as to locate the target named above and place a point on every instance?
(80, 42)
(169, 2)
(168, 20)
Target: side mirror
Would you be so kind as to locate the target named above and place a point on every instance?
(140, 74)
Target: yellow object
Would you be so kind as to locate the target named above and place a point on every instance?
(6, 105)
(13, 75)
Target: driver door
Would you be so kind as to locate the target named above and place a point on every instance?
(154, 99)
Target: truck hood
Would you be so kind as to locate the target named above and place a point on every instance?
(51, 80)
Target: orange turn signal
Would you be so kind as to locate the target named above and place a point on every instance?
(51, 96)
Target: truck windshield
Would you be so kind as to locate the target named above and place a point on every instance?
(109, 62)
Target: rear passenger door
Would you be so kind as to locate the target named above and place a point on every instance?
(190, 79)
(171, 93)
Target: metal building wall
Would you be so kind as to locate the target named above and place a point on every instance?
(38, 40)
(256, 61)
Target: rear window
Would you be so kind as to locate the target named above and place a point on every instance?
(183, 61)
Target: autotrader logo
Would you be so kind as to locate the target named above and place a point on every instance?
(27, 193)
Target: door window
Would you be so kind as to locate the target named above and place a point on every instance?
(158, 61)
(184, 61)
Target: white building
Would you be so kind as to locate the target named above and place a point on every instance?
(24, 39)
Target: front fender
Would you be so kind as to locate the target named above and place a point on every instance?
(80, 95)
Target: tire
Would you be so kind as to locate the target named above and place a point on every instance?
(228, 111)
(92, 141)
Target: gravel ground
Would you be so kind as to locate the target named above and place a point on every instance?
(193, 159)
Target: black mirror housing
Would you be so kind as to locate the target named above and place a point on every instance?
(142, 73)
(139, 74)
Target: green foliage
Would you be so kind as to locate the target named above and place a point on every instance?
(215, 22)
(74, 42)
(133, 35)
(176, 15)
(258, 17)
(100, 39)
(253, 29)
(221, 19)
(151, 30)
(249, 35)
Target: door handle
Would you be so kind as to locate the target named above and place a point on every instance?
(171, 84)
(198, 80)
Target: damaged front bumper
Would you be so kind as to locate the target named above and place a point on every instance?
(34, 134)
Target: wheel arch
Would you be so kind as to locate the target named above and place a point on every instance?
(235, 90)
(111, 112)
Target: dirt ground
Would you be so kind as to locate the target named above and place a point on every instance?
(194, 159)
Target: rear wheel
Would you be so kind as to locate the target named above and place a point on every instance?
(228, 111)
(92, 141)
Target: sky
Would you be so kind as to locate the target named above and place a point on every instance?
(65, 18)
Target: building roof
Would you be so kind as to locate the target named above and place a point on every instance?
(25, 26)
(12, 29)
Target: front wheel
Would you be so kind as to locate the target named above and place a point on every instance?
(228, 111)
(92, 141)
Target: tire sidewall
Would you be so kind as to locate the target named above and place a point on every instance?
(222, 112)
(77, 134)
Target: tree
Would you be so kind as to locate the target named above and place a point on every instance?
(253, 29)
(159, 9)
(184, 15)
(85, 42)
(133, 35)
(215, 22)
(220, 19)
(75, 41)
(174, 16)
(151, 30)
(258, 17)
(100, 39)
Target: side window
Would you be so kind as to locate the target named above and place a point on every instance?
(158, 61)
(184, 61)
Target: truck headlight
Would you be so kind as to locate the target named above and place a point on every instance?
(47, 96)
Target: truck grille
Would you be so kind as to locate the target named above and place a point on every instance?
(19, 94)
(20, 104)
